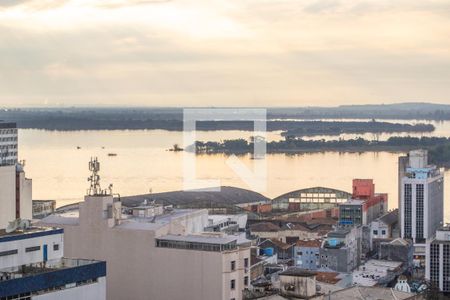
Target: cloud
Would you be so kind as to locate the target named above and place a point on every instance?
(199, 52)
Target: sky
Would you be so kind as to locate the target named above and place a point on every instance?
(223, 52)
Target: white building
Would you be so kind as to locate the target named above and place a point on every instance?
(438, 259)
(15, 189)
(165, 257)
(32, 267)
(15, 194)
(422, 201)
(8, 144)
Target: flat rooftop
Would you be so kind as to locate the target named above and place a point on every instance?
(372, 271)
(28, 233)
(71, 217)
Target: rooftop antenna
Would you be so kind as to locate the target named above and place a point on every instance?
(94, 179)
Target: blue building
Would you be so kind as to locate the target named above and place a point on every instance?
(307, 254)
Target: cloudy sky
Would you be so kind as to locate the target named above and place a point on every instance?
(223, 52)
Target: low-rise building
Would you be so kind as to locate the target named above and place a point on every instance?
(32, 267)
(397, 250)
(364, 206)
(307, 254)
(340, 252)
(290, 232)
(43, 208)
(384, 226)
(377, 272)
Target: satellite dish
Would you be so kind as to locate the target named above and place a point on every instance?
(13, 226)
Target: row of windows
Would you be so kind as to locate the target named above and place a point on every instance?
(8, 139)
(8, 146)
(408, 210)
(233, 283)
(8, 131)
(29, 249)
(233, 264)
(419, 211)
(195, 246)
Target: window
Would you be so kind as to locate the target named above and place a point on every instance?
(383, 232)
(32, 249)
(9, 252)
(233, 284)
(55, 247)
(375, 232)
(245, 262)
(246, 280)
(233, 265)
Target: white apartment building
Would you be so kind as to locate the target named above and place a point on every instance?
(15, 194)
(32, 267)
(421, 201)
(438, 259)
(161, 257)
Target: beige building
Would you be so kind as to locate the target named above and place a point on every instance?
(15, 194)
(162, 257)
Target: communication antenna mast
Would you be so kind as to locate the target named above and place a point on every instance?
(94, 179)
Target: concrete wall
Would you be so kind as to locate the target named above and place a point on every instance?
(26, 197)
(7, 195)
(94, 291)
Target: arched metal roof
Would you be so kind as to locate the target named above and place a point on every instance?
(315, 195)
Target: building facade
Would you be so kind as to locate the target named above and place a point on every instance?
(307, 254)
(438, 260)
(364, 206)
(15, 194)
(422, 198)
(8, 144)
(32, 267)
(341, 250)
(167, 257)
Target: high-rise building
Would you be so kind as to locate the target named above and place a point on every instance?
(438, 260)
(421, 208)
(15, 188)
(8, 144)
(422, 198)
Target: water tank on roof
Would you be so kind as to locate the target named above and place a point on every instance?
(333, 242)
(268, 251)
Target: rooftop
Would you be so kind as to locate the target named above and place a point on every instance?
(369, 293)
(390, 218)
(309, 243)
(372, 271)
(31, 232)
(298, 272)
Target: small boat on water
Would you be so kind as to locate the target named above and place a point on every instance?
(112, 154)
(78, 147)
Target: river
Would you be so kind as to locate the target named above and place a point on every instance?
(59, 170)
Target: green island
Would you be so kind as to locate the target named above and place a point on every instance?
(439, 147)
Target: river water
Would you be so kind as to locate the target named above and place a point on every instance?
(59, 170)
